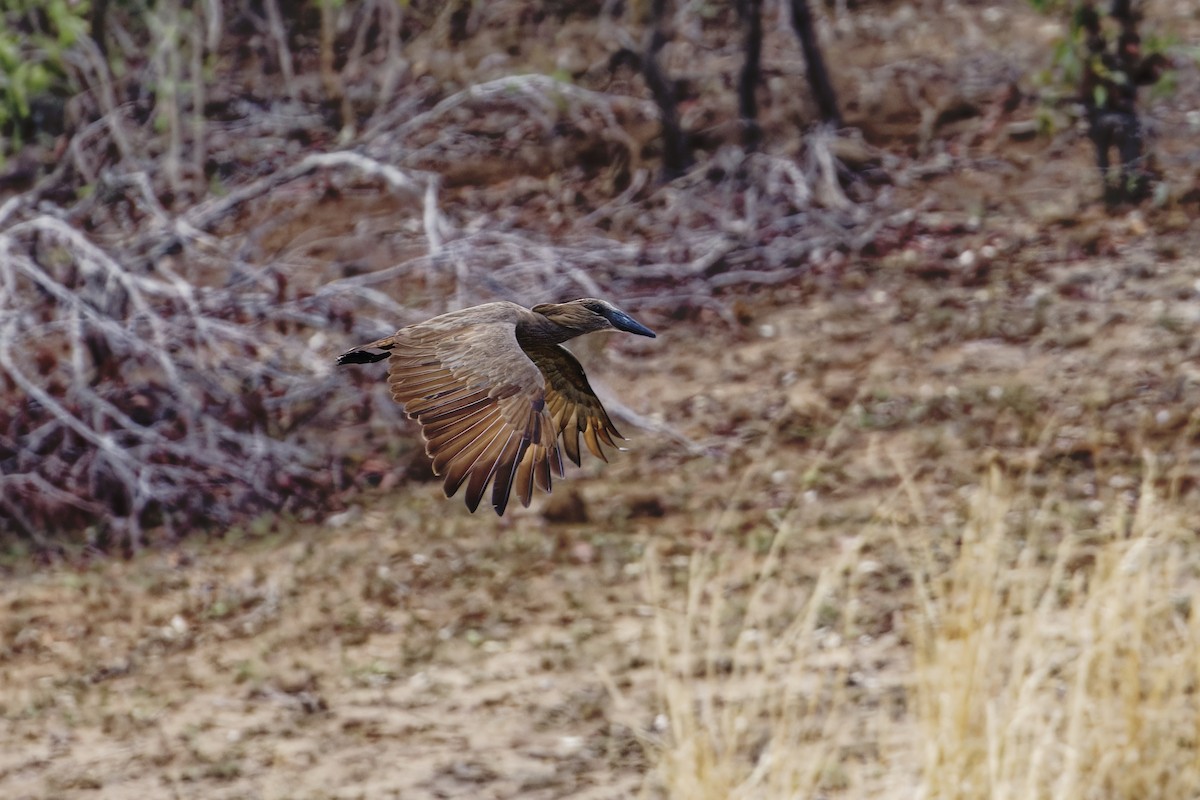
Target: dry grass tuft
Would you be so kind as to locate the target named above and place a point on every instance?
(1072, 675)
(1043, 657)
(752, 680)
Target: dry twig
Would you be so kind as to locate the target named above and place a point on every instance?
(170, 367)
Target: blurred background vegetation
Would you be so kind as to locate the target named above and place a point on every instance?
(910, 504)
(162, 161)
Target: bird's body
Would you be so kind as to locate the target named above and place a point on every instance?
(494, 392)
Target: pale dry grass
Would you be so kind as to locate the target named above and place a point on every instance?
(760, 684)
(1072, 676)
(1039, 655)
(746, 709)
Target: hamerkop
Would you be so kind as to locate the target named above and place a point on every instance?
(494, 392)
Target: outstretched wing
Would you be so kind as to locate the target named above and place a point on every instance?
(482, 407)
(572, 403)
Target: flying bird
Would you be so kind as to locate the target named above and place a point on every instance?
(497, 397)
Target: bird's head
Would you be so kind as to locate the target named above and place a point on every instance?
(589, 314)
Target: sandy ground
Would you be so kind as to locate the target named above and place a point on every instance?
(407, 648)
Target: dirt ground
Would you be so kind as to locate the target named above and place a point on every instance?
(405, 648)
(409, 649)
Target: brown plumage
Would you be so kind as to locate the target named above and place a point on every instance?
(497, 398)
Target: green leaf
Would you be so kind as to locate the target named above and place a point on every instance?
(1166, 85)
(70, 23)
(18, 89)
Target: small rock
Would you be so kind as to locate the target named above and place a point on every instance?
(569, 746)
(420, 468)
(296, 681)
(1022, 130)
(646, 505)
(583, 552)
(855, 154)
(472, 772)
(565, 507)
(545, 779)
(345, 518)
(373, 471)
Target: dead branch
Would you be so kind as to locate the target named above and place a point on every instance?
(166, 366)
(750, 12)
(676, 155)
(818, 74)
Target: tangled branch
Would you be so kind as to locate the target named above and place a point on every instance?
(171, 301)
(142, 397)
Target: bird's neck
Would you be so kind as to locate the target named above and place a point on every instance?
(545, 331)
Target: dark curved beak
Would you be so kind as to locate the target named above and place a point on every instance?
(623, 322)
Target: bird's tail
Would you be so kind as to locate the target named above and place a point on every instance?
(368, 353)
(360, 357)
